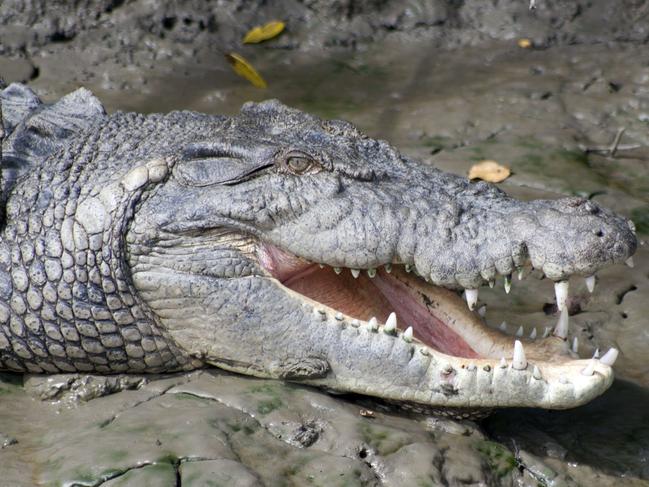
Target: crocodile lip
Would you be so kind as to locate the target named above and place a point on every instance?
(439, 317)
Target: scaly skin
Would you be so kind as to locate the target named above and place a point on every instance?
(159, 243)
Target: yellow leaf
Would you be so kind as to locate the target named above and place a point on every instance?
(489, 171)
(245, 69)
(524, 43)
(263, 32)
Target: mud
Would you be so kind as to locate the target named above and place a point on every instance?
(447, 83)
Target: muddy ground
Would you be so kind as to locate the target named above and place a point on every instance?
(444, 81)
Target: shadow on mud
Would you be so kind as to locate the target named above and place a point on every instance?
(611, 433)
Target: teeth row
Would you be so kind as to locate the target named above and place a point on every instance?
(371, 272)
(560, 287)
(560, 330)
(389, 328)
(519, 361)
(560, 291)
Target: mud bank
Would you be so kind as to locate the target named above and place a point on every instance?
(447, 83)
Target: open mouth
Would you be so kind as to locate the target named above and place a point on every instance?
(395, 300)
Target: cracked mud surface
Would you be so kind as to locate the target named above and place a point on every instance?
(211, 426)
(551, 114)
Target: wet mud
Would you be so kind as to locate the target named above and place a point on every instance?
(447, 84)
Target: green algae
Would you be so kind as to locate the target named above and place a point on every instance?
(640, 217)
(268, 405)
(500, 459)
(384, 440)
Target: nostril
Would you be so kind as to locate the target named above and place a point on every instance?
(599, 233)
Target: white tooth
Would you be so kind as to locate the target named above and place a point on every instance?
(596, 354)
(533, 334)
(471, 297)
(321, 266)
(371, 272)
(561, 292)
(356, 273)
(590, 368)
(503, 326)
(508, 283)
(390, 323)
(408, 268)
(561, 330)
(629, 262)
(320, 313)
(355, 323)
(519, 362)
(546, 331)
(610, 357)
(374, 324)
(471, 367)
(536, 373)
(519, 332)
(407, 335)
(339, 316)
(388, 268)
(337, 270)
(521, 273)
(590, 283)
(575, 344)
(482, 310)
(503, 363)
(492, 283)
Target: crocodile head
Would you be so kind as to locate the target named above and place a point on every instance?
(281, 245)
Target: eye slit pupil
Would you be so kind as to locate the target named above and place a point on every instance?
(298, 164)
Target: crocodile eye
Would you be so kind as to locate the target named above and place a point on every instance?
(299, 163)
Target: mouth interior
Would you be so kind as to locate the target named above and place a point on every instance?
(365, 297)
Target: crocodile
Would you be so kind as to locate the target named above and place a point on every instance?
(276, 244)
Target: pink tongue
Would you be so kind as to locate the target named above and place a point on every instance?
(427, 328)
(359, 297)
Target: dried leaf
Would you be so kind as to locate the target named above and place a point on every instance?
(245, 69)
(367, 413)
(489, 171)
(524, 43)
(263, 32)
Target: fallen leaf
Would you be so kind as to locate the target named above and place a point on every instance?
(524, 43)
(489, 171)
(245, 69)
(263, 32)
